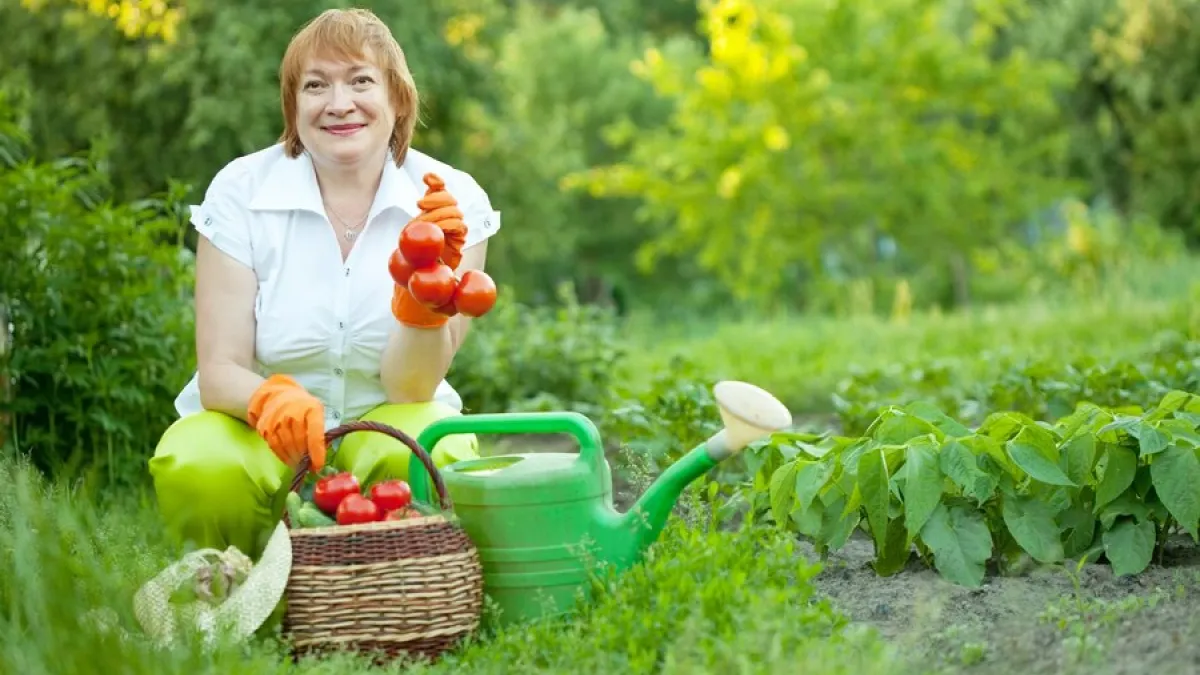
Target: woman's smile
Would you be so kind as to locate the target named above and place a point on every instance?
(343, 129)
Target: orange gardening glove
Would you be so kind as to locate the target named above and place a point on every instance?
(440, 208)
(290, 420)
(409, 311)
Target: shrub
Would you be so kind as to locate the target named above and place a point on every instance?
(97, 295)
(658, 423)
(522, 357)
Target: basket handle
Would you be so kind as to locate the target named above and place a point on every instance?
(362, 425)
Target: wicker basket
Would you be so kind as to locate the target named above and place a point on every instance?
(403, 587)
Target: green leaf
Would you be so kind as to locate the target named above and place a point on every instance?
(922, 486)
(960, 542)
(1079, 454)
(924, 410)
(1035, 460)
(809, 520)
(1129, 546)
(838, 522)
(873, 483)
(1170, 402)
(1190, 418)
(958, 463)
(1119, 471)
(1128, 504)
(895, 554)
(896, 427)
(781, 492)
(1176, 475)
(1151, 441)
(1079, 525)
(811, 478)
(1087, 418)
(1032, 525)
(1179, 430)
(1004, 426)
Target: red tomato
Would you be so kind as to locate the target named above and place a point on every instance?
(356, 508)
(403, 514)
(433, 286)
(399, 267)
(421, 242)
(329, 492)
(391, 494)
(476, 294)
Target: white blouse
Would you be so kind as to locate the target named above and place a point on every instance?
(323, 321)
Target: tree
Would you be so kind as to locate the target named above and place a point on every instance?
(812, 122)
(558, 80)
(1136, 101)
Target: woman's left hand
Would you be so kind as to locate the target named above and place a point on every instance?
(435, 280)
(428, 290)
(439, 207)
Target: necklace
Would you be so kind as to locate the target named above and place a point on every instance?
(350, 232)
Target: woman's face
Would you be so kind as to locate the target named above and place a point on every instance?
(344, 113)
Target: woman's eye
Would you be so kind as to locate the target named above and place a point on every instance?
(363, 79)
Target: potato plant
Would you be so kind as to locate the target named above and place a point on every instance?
(1044, 388)
(1101, 482)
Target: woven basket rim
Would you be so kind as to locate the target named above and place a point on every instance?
(373, 526)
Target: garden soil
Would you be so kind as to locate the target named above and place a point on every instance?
(1041, 622)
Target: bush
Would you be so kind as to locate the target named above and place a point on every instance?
(522, 357)
(659, 423)
(97, 296)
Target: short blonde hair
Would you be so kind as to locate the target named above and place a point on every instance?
(349, 34)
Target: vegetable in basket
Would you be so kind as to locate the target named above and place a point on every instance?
(338, 499)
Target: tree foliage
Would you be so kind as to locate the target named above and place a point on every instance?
(812, 121)
(741, 146)
(1135, 102)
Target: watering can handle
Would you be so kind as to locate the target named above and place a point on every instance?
(572, 423)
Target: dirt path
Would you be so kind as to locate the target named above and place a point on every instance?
(1038, 623)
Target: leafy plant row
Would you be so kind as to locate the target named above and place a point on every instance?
(1044, 388)
(1101, 483)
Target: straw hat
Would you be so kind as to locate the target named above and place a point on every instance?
(256, 592)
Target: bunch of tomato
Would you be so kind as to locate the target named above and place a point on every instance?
(340, 495)
(417, 264)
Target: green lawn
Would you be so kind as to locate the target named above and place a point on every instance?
(706, 601)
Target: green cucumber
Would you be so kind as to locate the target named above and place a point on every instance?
(311, 516)
(294, 504)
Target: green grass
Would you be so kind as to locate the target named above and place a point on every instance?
(707, 600)
(801, 359)
(716, 600)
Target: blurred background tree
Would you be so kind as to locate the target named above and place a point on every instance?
(665, 154)
(677, 162)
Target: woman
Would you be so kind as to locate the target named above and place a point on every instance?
(299, 326)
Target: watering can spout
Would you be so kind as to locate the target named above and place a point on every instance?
(748, 413)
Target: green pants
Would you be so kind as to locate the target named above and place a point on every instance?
(218, 484)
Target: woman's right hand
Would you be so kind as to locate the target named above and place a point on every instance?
(290, 420)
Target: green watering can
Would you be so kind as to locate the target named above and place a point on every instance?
(539, 518)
